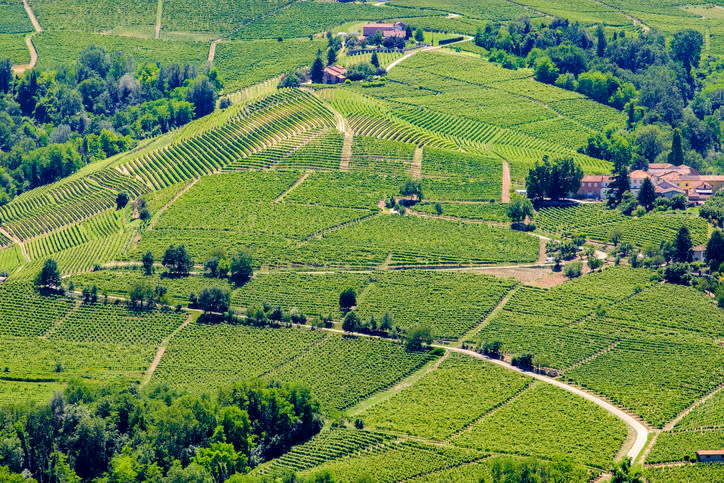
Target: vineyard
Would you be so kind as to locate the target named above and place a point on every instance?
(450, 303)
(310, 182)
(446, 400)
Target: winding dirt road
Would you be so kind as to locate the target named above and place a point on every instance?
(20, 68)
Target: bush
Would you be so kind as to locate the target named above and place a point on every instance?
(677, 273)
(417, 336)
(351, 322)
(347, 299)
(492, 349)
(573, 270)
(523, 361)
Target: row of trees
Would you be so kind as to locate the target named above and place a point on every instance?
(179, 263)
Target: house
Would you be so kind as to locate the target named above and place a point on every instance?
(686, 182)
(636, 179)
(710, 456)
(396, 29)
(667, 189)
(699, 192)
(335, 74)
(697, 253)
(594, 187)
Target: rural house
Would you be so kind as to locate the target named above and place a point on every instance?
(335, 74)
(594, 187)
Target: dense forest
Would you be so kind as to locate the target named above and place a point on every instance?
(121, 435)
(52, 123)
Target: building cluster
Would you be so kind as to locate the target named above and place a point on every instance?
(668, 181)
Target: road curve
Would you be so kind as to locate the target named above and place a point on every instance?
(642, 432)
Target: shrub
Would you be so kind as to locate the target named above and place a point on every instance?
(523, 361)
(347, 299)
(573, 270)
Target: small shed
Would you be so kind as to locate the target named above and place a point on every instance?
(697, 253)
(710, 456)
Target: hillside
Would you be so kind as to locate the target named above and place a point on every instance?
(370, 280)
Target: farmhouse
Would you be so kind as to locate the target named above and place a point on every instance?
(710, 456)
(335, 74)
(396, 29)
(594, 187)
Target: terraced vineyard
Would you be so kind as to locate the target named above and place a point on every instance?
(261, 124)
(301, 179)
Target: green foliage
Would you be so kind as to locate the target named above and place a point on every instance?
(49, 276)
(572, 269)
(416, 337)
(241, 269)
(347, 299)
(520, 209)
(554, 180)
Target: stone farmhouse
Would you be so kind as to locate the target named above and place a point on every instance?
(335, 74)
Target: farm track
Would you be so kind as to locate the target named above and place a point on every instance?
(212, 49)
(60, 321)
(159, 16)
(642, 432)
(162, 350)
(346, 150)
(170, 202)
(490, 412)
(505, 188)
(531, 9)
(20, 68)
(637, 22)
(301, 179)
(686, 411)
(498, 307)
(593, 356)
(424, 49)
(416, 166)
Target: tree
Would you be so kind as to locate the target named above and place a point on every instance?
(347, 299)
(600, 41)
(203, 96)
(623, 473)
(386, 322)
(177, 260)
(419, 35)
(214, 263)
(686, 48)
(6, 76)
(714, 253)
(573, 270)
(545, 70)
(331, 56)
(121, 200)
(412, 189)
(49, 275)
(555, 180)
(214, 299)
(241, 268)
(647, 195)
(615, 234)
(317, 70)
(676, 156)
(416, 336)
(519, 209)
(351, 322)
(678, 202)
(221, 460)
(375, 60)
(682, 246)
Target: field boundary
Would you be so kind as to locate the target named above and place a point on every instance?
(669, 426)
(168, 204)
(299, 181)
(17, 241)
